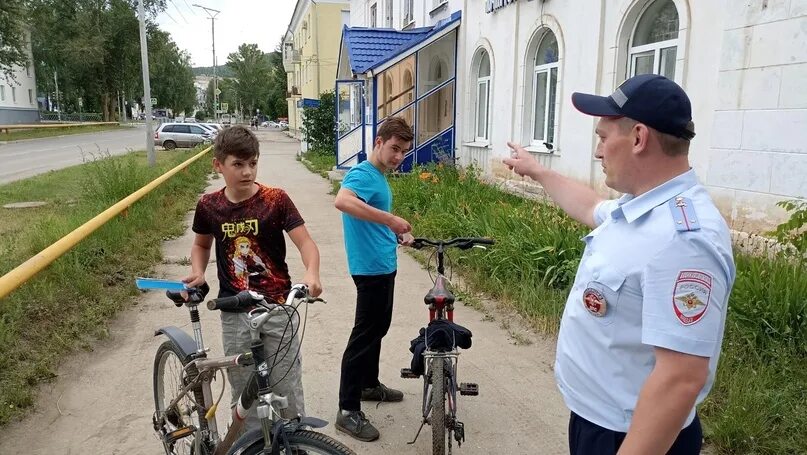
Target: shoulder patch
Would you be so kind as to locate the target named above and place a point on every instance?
(691, 295)
(683, 214)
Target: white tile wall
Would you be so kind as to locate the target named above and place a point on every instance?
(776, 131)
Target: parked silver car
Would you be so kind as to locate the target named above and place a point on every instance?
(173, 135)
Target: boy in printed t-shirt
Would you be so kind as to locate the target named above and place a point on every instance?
(246, 221)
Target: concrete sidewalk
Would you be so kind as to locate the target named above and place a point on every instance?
(105, 397)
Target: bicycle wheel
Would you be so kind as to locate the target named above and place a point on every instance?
(169, 378)
(301, 442)
(438, 417)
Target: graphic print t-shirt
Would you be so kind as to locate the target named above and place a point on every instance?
(250, 247)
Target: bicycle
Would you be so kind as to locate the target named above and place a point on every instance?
(184, 418)
(441, 356)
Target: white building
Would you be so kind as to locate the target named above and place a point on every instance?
(743, 64)
(18, 102)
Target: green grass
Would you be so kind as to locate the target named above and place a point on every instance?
(759, 401)
(319, 162)
(68, 304)
(15, 135)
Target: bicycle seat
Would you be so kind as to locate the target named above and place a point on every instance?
(439, 293)
(195, 295)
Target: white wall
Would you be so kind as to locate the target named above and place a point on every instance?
(758, 148)
(23, 109)
(743, 64)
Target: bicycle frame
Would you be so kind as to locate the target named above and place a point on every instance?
(440, 301)
(270, 405)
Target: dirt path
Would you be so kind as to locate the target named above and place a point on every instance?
(102, 401)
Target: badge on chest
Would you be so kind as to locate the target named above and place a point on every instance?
(594, 302)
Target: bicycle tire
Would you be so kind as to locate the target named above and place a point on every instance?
(311, 442)
(168, 371)
(438, 417)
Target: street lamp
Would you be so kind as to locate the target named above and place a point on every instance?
(213, 13)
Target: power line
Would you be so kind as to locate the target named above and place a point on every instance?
(180, 12)
(189, 7)
(169, 16)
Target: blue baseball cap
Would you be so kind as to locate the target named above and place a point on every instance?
(647, 98)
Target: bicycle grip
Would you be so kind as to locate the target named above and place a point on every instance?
(232, 303)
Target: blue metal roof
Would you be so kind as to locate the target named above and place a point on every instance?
(368, 48)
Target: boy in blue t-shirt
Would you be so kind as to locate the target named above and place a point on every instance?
(372, 235)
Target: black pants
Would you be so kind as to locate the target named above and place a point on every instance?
(361, 357)
(586, 438)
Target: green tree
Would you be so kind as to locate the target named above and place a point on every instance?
(93, 47)
(319, 125)
(13, 43)
(276, 104)
(251, 69)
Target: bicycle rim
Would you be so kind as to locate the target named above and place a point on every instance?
(438, 414)
(168, 381)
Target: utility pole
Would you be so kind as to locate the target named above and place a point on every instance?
(144, 58)
(56, 81)
(213, 13)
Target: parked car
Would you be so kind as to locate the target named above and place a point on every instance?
(173, 135)
(210, 128)
(270, 124)
(215, 126)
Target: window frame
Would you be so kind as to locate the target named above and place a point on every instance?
(656, 47)
(408, 13)
(482, 81)
(388, 14)
(373, 19)
(537, 70)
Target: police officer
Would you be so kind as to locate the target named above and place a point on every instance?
(642, 327)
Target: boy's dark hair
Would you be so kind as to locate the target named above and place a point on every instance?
(395, 126)
(237, 141)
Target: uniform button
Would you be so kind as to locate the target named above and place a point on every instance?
(596, 275)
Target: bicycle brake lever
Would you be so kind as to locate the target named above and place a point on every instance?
(315, 300)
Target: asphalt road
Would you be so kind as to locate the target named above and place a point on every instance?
(26, 158)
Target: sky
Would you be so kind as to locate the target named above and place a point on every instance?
(262, 22)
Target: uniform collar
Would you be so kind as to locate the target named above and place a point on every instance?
(631, 208)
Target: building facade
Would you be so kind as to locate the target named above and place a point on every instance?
(310, 51)
(18, 100)
(743, 64)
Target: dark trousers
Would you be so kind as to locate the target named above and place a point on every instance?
(373, 317)
(586, 438)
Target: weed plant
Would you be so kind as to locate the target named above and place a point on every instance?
(69, 303)
(759, 401)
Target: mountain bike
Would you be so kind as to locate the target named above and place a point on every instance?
(184, 418)
(440, 356)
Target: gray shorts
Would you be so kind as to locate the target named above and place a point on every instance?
(277, 332)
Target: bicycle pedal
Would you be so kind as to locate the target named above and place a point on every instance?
(469, 388)
(407, 373)
(178, 434)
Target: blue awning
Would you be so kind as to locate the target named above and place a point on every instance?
(369, 48)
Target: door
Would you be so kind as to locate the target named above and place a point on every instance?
(350, 103)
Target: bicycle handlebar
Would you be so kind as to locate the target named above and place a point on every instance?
(462, 243)
(249, 298)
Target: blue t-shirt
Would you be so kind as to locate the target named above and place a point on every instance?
(371, 247)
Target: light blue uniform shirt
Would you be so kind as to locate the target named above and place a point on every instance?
(656, 272)
(371, 247)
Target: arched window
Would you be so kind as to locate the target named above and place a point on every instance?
(544, 89)
(654, 44)
(482, 105)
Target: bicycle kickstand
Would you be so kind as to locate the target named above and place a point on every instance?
(418, 433)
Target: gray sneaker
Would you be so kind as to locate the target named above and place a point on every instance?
(356, 425)
(381, 393)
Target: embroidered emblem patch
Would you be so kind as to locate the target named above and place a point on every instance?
(595, 302)
(691, 296)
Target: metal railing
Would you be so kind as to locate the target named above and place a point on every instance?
(73, 117)
(22, 273)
